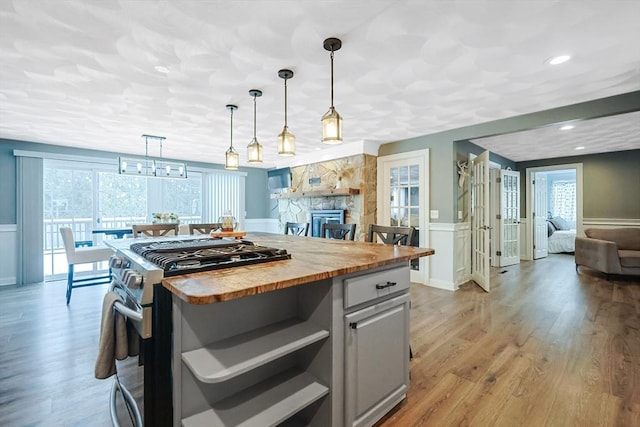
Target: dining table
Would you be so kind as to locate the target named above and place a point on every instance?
(119, 233)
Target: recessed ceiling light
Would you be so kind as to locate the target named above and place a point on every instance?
(579, 148)
(560, 59)
(161, 69)
(567, 127)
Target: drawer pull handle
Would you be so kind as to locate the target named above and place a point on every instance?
(389, 284)
(353, 325)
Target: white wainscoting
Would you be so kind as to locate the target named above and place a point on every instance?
(451, 264)
(610, 222)
(9, 263)
(266, 225)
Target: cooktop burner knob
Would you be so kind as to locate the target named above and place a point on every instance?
(115, 262)
(134, 280)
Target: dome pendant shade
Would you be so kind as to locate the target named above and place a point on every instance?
(286, 140)
(332, 127)
(254, 149)
(231, 158)
(331, 121)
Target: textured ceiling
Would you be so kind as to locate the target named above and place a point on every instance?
(82, 73)
(615, 133)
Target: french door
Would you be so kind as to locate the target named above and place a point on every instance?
(509, 219)
(540, 236)
(403, 200)
(480, 220)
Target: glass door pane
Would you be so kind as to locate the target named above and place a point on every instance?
(68, 202)
(404, 200)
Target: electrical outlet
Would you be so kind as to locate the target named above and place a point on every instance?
(459, 214)
(434, 214)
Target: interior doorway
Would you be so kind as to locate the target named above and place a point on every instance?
(553, 196)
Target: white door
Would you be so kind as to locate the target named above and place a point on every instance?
(540, 236)
(480, 220)
(509, 218)
(403, 200)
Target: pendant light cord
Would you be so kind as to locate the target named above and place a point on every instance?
(285, 103)
(331, 78)
(231, 132)
(254, 117)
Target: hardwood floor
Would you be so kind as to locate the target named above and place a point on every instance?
(547, 347)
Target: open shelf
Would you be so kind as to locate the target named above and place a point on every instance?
(228, 358)
(317, 193)
(265, 404)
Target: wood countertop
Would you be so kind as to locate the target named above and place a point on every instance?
(312, 259)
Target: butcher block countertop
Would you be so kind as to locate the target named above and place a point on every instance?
(312, 259)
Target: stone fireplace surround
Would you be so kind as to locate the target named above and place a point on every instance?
(357, 172)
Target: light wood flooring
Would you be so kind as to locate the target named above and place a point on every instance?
(546, 347)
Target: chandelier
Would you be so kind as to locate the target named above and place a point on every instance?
(159, 168)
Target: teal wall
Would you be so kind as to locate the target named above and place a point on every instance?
(256, 203)
(611, 183)
(444, 150)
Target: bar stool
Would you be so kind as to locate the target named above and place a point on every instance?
(338, 231)
(296, 228)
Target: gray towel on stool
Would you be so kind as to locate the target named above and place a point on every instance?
(114, 338)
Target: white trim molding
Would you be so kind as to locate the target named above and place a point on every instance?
(9, 264)
(610, 222)
(451, 264)
(529, 201)
(265, 225)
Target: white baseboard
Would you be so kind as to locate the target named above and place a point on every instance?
(443, 284)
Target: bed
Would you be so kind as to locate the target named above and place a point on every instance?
(562, 238)
(562, 241)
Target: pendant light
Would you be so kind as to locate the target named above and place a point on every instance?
(331, 121)
(254, 149)
(232, 159)
(286, 140)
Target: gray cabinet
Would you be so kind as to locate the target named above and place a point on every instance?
(377, 349)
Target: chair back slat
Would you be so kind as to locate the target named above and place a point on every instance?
(204, 228)
(338, 231)
(296, 228)
(391, 235)
(154, 230)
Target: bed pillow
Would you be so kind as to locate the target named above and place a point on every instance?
(550, 228)
(559, 223)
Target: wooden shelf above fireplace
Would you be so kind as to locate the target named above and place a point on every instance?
(317, 193)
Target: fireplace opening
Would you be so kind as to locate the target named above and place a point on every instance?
(319, 217)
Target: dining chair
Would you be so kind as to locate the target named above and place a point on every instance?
(204, 228)
(296, 228)
(79, 254)
(391, 235)
(338, 231)
(154, 230)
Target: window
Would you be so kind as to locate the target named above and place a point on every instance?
(85, 195)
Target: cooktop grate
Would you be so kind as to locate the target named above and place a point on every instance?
(189, 256)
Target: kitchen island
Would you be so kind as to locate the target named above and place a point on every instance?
(320, 339)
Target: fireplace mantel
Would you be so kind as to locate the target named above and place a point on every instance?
(317, 193)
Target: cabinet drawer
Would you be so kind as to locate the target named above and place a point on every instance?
(368, 287)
